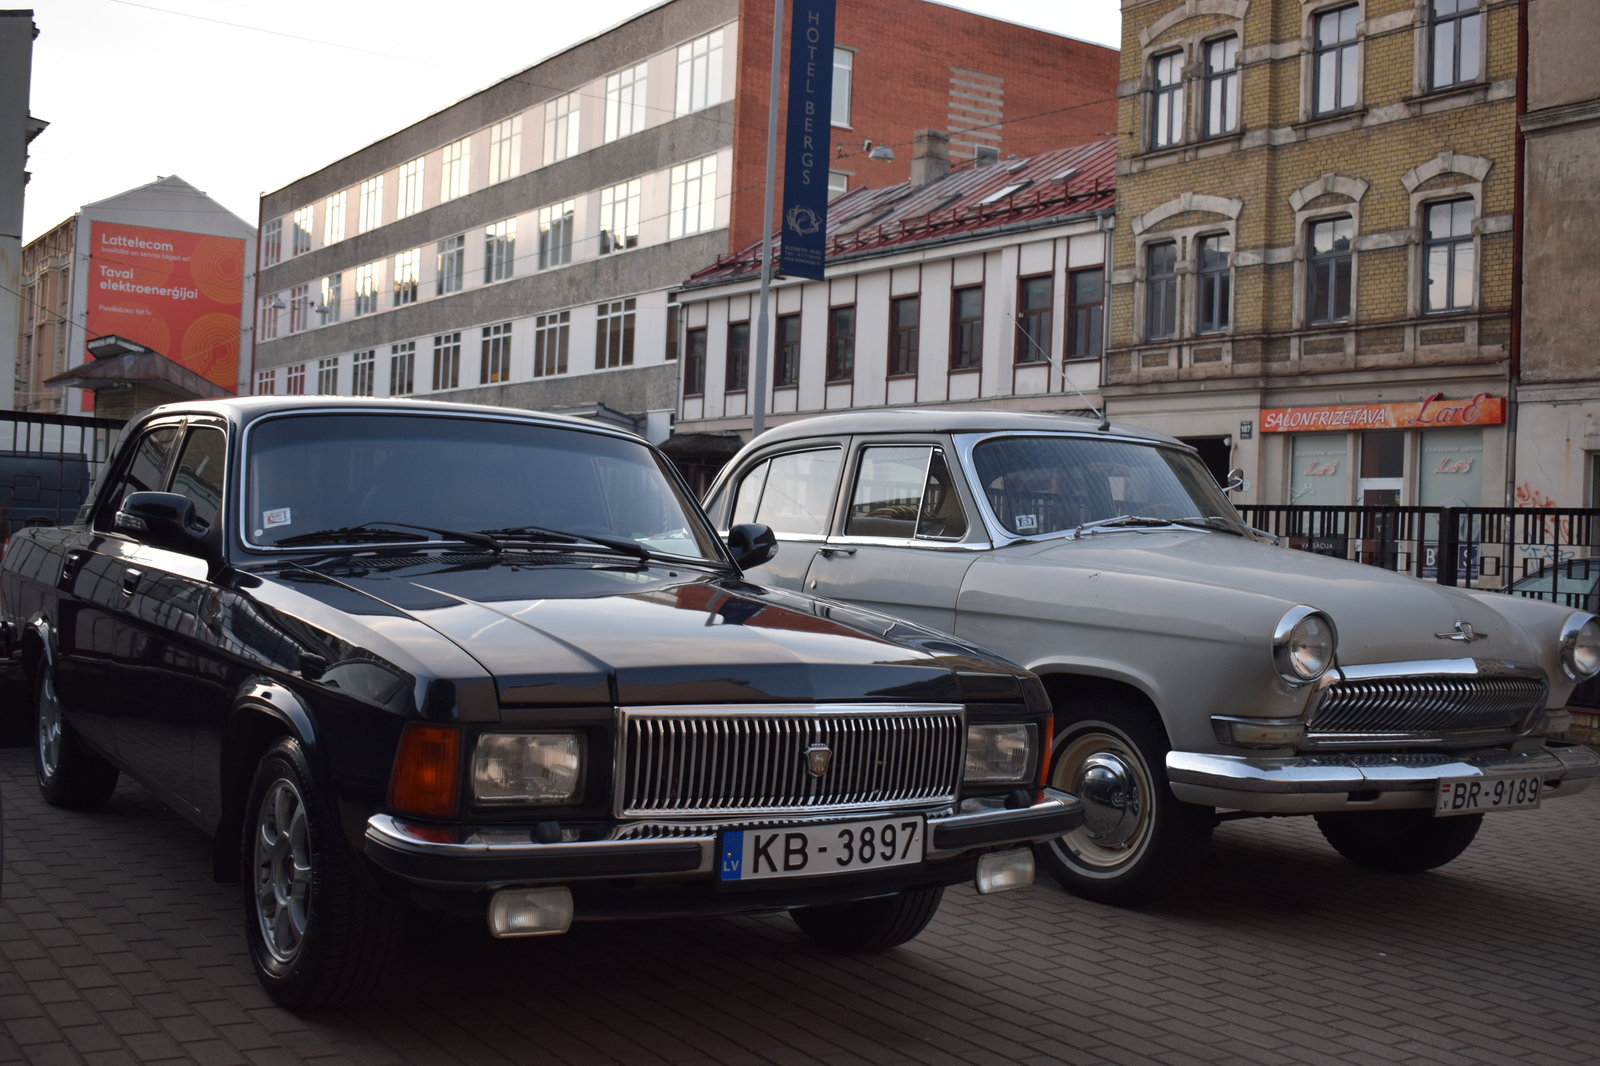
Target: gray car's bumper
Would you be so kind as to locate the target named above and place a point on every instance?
(1304, 784)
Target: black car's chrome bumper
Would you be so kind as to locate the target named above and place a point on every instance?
(474, 866)
(1305, 784)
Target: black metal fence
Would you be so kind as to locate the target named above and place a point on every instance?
(47, 463)
(1551, 553)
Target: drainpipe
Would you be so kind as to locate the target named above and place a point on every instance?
(1108, 222)
(1519, 180)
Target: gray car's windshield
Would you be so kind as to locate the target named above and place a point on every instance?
(341, 475)
(1048, 484)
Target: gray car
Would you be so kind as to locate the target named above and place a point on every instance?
(1197, 670)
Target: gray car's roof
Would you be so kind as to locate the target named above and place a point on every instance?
(946, 420)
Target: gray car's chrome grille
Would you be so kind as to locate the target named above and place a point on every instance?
(1425, 706)
(702, 762)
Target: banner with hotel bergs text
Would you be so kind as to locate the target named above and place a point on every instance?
(808, 140)
(1427, 413)
(175, 292)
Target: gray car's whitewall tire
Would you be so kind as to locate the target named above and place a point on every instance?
(1138, 843)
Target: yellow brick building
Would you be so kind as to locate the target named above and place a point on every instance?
(1313, 256)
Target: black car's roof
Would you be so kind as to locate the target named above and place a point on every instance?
(946, 420)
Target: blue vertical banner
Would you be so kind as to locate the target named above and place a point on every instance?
(808, 140)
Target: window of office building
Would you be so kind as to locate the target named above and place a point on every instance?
(700, 73)
(1222, 86)
(1328, 274)
(1336, 59)
(452, 265)
(555, 234)
(1216, 283)
(1034, 306)
(841, 343)
(619, 216)
(446, 361)
(551, 334)
(1448, 252)
(1085, 313)
(694, 362)
(787, 371)
(269, 316)
(328, 376)
(370, 209)
(1161, 291)
(613, 334)
(672, 328)
(455, 170)
(625, 103)
(1166, 103)
(838, 184)
(333, 219)
(272, 242)
(737, 377)
(266, 382)
(402, 368)
(499, 250)
(297, 380)
(299, 308)
(362, 372)
(505, 149)
(966, 328)
(1454, 35)
(408, 191)
(302, 231)
(844, 62)
(407, 271)
(331, 294)
(367, 281)
(495, 364)
(905, 335)
(692, 197)
(560, 128)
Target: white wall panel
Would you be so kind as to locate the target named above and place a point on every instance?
(1087, 250)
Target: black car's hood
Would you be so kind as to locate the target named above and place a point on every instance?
(576, 634)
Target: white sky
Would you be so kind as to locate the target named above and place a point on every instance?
(133, 90)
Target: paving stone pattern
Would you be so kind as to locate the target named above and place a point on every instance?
(116, 947)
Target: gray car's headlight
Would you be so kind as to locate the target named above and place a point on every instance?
(526, 768)
(1000, 754)
(1303, 644)
(1580, 646)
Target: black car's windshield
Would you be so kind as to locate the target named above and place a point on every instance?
(1049, 484)
(326, 473)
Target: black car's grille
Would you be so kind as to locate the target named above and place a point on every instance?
(1425, 706)
(706, 762)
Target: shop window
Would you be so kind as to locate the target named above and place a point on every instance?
(1319, 470)
(1328, 276)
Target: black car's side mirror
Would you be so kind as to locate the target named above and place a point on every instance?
(164, 519)
(752, 544)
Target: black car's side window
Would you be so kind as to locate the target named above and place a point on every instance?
(905, 492)
(199, 473)
(146, 471)
(791, 493)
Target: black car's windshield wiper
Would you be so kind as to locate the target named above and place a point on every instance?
(369, 531)
(556, 536)
(1123, 521)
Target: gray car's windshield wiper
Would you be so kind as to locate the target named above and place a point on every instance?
(556, 536)
(1123, 521)
(369, 531)
(1211, 521)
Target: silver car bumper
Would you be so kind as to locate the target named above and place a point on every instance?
(1305, 784)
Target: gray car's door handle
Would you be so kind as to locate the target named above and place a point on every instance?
(830, 552)
(130, 581)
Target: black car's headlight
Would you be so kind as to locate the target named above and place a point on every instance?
(535, 769)
(1580, 646)
(1303, 645)
(1000, 753)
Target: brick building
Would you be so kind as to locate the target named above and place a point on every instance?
(518, 247)
(1313, 263)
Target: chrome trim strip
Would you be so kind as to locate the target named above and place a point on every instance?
(1295, 775)
(384, 829)
(1450, 667)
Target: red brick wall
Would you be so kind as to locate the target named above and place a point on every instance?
(1057, 91)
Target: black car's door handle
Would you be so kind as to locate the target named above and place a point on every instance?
(130, 581)
(71, 565)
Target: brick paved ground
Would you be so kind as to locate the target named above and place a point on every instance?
(116, 947)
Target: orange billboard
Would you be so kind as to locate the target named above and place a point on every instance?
(1429, 413)
(175, 292)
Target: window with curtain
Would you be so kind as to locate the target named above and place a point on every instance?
(1161, 291)
(1166, 102)
(1328, 271)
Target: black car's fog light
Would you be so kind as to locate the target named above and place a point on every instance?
(530, 911)
(527, 768)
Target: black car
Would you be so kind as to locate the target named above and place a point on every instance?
(494, 664)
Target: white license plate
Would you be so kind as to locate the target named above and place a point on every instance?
(1475, 795)
(814, 850)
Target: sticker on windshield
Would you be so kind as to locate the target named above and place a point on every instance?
(1027, 521)
(280, 517)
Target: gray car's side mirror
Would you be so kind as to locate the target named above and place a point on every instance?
(164, 519)
(752, 544)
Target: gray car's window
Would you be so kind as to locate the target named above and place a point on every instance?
(199, 473)
(1046, 484)
(905, 492)
(791, 493)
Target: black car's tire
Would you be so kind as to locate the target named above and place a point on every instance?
(1138, 843)
(1398, 842)
(870, 924)
(320, 935)
(70, 775)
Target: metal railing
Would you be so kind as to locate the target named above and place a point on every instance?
(47, 463)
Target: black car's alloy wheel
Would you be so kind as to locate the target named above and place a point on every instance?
(1399, 842)
(320, 935)
(70, 775)
(1138, 843)
(870, 924)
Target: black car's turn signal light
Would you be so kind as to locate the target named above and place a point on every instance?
(427, 770)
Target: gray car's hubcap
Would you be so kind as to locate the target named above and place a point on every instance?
(283, 870)
(50, 724)
(1111, 800)
(1103, 770)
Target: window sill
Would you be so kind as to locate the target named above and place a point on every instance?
(1329, 118)
(840, 381)
(733, 392)
(786, 386)
(910, 376)
(965, 369)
